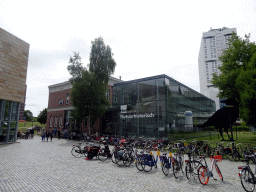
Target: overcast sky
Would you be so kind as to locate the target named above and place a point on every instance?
(147, 37)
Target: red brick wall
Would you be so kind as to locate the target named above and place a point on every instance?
(53, 103)
(56, 96)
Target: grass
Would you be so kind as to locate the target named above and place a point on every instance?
(23, 126)
(242, 137)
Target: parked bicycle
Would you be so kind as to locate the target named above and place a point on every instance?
(166, 163)
(247, 177)
(149, 161)
(77, 150)
(178, 164)
(204, 172)
(192, 165)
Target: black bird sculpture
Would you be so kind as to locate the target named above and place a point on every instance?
(224, 117)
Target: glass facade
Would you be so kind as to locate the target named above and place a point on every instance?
(155, 105)
(8, 120)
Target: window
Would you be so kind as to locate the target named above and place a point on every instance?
(107, 95)
(67, 99)
(61, 101)
(56, 121)
(51, 120)
(60, 121)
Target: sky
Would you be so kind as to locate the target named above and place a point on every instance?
(147, 38)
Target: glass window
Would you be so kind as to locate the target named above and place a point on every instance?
(51, 121)
(60, 121)
(56, 121)
(67, 99)
(14, 113)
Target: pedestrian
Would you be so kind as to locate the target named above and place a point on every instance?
(59, 134)
(43, 134)
(55, 132)
(51, 135)
(47, 134)
(32, 133)
(27, 135)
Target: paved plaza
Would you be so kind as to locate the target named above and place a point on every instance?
(33, 165)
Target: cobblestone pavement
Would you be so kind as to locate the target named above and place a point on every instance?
(33, 165)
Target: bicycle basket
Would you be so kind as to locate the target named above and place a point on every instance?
(217, 158)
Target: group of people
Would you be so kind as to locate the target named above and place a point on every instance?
(26, 135)
(46, 134)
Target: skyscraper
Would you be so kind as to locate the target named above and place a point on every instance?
(212, 45)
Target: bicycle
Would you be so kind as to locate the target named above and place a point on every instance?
(148, 160)
(139, 160)
(166, 163)
(104, 153)
(178, 164)
(234, 155)
(247, 177)
(204, 173)
(77, 150)
(192, 165)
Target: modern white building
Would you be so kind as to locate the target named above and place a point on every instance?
(212, 45)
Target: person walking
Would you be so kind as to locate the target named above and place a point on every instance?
(47, 134)
(59, 134)
(51, 135)
(43, 134)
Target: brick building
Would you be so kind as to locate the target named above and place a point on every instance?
(60, 106)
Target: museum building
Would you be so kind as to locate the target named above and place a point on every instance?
(156, 105)
(13, 72)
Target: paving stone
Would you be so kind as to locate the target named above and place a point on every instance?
(33, 165)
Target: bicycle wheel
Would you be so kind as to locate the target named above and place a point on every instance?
(203, 178)
(127, 160)
(75, 151)
(236, 156)
(102, 155)
(218, 171)
(176, 169)
(113, 158)
(165, 167)
(247, 180)
(138, 163)
(189, 170)
(146, 164)
(195, 166)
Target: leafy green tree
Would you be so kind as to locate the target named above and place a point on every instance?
(89, 98)
(102, 63)
(75, 67)
(238, 74)
(42, 117)
(28, 115)
(88, 93)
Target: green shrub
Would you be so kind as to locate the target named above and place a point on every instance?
(241, 128)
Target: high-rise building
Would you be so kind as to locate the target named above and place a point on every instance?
(212, 45)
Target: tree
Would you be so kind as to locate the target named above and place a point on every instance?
(28, 115)
(42, 117)
(89, 98)
(88, 93)
(238, 74)
(102, 63)
(75, 68)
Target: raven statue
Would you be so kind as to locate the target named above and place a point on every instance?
(224, 117)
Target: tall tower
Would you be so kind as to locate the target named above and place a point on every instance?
(212, 45)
